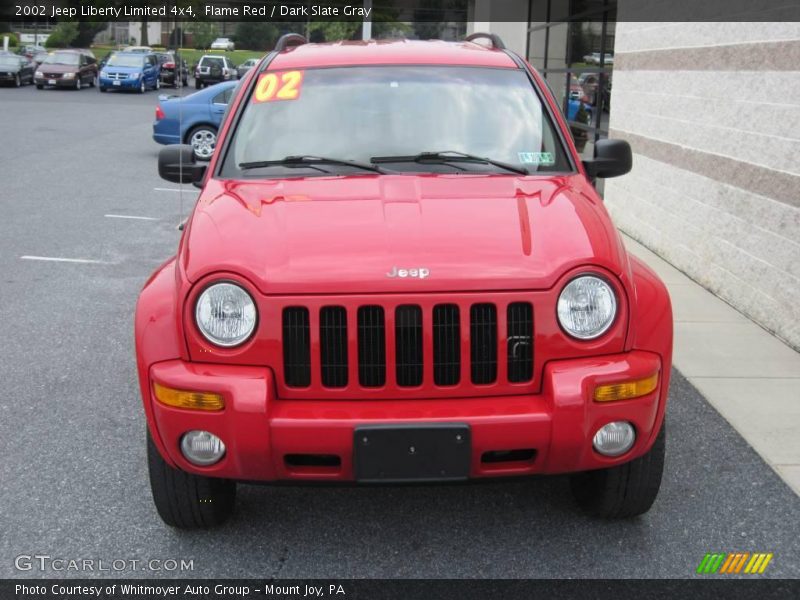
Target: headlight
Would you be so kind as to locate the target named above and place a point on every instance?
(133, 76)
(586, 307)
(68, 75)
(225, 314)
(103, 74)
(39, 74)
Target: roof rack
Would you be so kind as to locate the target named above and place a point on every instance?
(290, 39)
(495, 39)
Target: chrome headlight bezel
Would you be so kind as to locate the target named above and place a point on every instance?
(250, 306)
(605, 324)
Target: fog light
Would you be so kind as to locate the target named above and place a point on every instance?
(186, 399)
(202, 448)
(614, 439)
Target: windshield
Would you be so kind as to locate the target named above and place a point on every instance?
(361, 113)
(63, 58)
(125, 60)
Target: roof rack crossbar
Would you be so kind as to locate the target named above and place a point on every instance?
(493, 37)
(290, 39)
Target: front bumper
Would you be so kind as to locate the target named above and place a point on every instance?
(260, 430)
(59, 82)
(119, 84)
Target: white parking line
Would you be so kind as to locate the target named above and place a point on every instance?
(132, 217)
(176, 190)
(67, 260)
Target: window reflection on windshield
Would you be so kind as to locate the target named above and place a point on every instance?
(63, 58)
(357, 113)
(119, 60)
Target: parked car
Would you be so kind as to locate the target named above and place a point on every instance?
(138, 49)
(243, 68)
(174, 71)
(16, 70)
(130, 71)
(410, 289)
(213, 69)
(193, 119)
(223, 44)
(67, 68)
(30, 51)
(40, 57)
(594, 58)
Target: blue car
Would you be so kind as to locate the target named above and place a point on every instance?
(579, 111)
(130, 71)
(193, 119)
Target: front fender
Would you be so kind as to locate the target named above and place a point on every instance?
(651, 323)
(157, 335)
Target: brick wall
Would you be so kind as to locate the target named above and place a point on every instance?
(712, 111)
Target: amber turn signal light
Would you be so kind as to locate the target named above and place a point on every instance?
(189, 400)
(627, 390)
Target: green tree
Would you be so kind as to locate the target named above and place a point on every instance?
(255, 35)
(203, 33)
(63, 35)
(87, 30)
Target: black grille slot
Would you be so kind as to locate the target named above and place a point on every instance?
(371, 346)
(446, 344)
(483, 342)
(333, 346)
(408, 345)
(296, 347)
(520, 342)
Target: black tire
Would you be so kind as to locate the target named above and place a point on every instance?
(93, 81)
(188, 501)
(18, 81)
(197, 84)
(39, 87)
(102, 89)
(625, 491)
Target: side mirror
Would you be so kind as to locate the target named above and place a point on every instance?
(612, 158)
(177, 164)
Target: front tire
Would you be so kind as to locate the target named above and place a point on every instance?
(624, 491)
(77, 84)
(197, 84)
(17, 81)
(188, 501)
(142, 87)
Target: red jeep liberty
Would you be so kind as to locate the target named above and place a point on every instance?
(398, 270)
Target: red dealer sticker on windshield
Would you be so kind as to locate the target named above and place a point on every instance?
(274, 86)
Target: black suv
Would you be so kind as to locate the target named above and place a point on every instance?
(174, 71)
(213, 69)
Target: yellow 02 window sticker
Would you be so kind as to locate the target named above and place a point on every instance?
(278, 85)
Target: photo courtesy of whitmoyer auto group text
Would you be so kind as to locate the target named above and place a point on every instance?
(400, 299)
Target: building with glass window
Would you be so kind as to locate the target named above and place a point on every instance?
(710, 110)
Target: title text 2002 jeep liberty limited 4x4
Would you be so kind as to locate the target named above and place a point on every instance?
(398, 270)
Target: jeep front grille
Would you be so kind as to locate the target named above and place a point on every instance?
(407, 345)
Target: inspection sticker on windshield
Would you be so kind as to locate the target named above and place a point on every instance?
(537, 158)
(274, 86)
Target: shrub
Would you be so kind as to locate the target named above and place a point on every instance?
(63, 35)
(13, 42)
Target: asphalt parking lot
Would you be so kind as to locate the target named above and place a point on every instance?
(74, 479)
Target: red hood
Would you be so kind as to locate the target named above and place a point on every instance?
(343, 235)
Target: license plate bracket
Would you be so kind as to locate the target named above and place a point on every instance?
(411, 453)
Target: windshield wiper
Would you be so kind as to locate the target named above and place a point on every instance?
(446, 156)
(305, 160)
